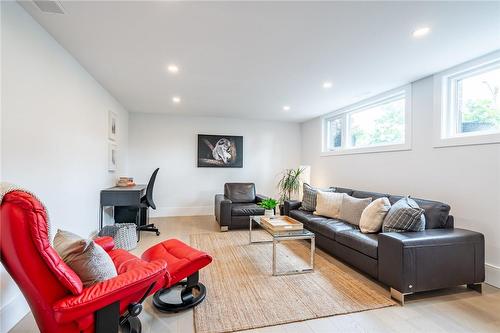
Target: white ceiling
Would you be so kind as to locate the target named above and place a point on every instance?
(248, 59)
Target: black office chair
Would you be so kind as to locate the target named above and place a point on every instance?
(129, 214)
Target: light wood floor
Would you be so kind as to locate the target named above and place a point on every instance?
(451, 310)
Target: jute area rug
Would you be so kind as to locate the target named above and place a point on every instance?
(242, 293)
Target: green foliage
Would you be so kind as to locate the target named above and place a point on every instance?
(481, 111)
(269, 203)
(289, 183)
(389, 128)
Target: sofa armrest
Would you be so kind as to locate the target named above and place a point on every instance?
(289, 205)
(222, 210)
(260, 197)
(431, 259)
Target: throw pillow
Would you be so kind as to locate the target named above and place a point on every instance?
(373, 215)
(89, 261)
(404, 215)
(328, 204)
(309, 197)
(352, 208)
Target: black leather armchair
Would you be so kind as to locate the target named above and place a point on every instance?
(239, 201)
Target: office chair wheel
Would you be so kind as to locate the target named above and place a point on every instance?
(157, 233)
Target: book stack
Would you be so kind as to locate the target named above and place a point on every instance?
(125, 181)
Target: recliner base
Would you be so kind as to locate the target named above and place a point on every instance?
(190, 293)
(187, 302)
(132, 325)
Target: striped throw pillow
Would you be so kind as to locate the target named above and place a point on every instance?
(404, 215)
(309, 197)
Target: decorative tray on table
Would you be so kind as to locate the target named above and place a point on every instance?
(281, 223)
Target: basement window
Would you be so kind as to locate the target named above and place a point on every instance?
(381, 123)
(467, 107)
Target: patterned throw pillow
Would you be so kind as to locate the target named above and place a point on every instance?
(328, 204)
(373, 215)
(309, 197)
(89, 260)
(352, 208)
(404, 215)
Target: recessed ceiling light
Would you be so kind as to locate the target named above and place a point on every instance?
(327, 84)
(172, 68)
(421, 32)
(176, 99)
(286, 108)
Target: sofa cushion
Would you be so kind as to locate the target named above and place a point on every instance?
(347, 191)
(365, 194)
(240, 192)
(320, 224)
(246, 209)
(356, 240)
(436, 213)
(333, 227)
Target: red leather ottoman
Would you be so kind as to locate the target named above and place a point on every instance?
(182, 261)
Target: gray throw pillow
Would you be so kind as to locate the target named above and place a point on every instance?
(404, 215)
(310, 195)
(352, 208)
(86, 258)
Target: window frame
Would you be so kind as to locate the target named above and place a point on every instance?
(343, 113)
(446, 114)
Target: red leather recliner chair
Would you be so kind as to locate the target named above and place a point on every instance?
(55, 294)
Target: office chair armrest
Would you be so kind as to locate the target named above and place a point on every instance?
(106, 242)
(127, 288)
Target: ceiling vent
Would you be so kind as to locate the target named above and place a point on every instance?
(52, 7)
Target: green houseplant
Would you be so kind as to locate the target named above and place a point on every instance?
(269, 205)
(289, 184)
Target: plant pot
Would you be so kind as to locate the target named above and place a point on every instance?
(269, 212)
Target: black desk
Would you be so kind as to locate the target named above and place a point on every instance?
(121, 196)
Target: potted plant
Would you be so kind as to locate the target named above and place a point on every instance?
(288, 185)
(269, 205)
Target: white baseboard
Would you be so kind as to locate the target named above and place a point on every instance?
(182, 211)
(492, 275)
(12, 312)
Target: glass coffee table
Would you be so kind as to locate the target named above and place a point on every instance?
(284, 236)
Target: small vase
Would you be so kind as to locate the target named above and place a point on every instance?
(269, 212)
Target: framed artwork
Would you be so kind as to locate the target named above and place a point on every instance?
(220, 151)
(112, 157)
(112, 125)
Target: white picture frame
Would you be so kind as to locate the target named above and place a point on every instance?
(112, 126)
(112, 156)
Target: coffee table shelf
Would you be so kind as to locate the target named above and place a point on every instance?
(280, 236)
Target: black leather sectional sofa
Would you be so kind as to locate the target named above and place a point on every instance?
(439, 257)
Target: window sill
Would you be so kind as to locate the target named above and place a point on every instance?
(367, 150)
(469, 140)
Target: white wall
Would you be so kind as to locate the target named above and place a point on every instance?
(467, 177)
(53, 133)
(170, 143)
